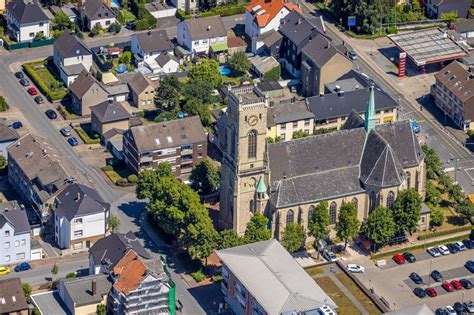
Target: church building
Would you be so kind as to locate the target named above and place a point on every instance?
(363, 163)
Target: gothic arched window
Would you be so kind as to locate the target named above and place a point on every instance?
(310, 214)
(408, 175)
(290, 217)
(332, 213)
(390, 199)
(252, 140)
(372, 201)
(355, 202)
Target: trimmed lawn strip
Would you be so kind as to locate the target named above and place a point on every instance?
(313, 271)
(345, 306)
(84, 131)
(358, 293)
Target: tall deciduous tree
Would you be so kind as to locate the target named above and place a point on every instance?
(228, 239)
(257, 229)
(205, 178)
(433, 196)
(239, 63)
(195, 107)
(207, 70)
(167, 95)
(466, 210)
(407, 209)
(434, 166)
(379, 226)
(293, 237)
(319, 221)
(61, 22)
(347, 226)
(114, 223)
(198, 89)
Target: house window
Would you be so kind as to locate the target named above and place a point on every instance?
(78, 233)
(78, 220)
(23, 242)
(32, 34)
(7, 258)
(7, 245)
(355, 202)
(17, 243)
(78, 246)
(20, 256)
(7, 233)
(252, 144)
(332, 213)
(372, 201)
(290, 217)
(196, 43)
(41, 24)
(390, 199)
(107, 22)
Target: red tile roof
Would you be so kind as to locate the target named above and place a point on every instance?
(129, 273)
(270, 9)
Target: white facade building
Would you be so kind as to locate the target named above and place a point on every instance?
(198, 35)
(26, 19)
(14, 234)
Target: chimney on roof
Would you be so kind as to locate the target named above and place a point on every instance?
(299, 21)
(321, 94)
(340, 93)
(337, 88)
(77, 197)
(208, 28)
(94, 287)
(110, 101)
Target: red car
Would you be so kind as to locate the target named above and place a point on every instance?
(399, 259)
(32, 91)
(456, 284)
(431, 292)
(448, 286)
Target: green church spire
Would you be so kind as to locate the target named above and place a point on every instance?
(370, 113)
(261, 187)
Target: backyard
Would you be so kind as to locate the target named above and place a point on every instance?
(87, 135)
(44, 74)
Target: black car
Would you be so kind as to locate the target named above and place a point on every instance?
(419, 292)
(416, 278)
(19, 75)
(466, 283)
(436, 275)
(468, 243)
(39, 99)
(409, 257)
(24, 82)
(453, 249)
(51, 114)
(441, 311)
(460, 308)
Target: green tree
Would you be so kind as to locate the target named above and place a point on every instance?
(466, 210)
(293, 237)
(147, 179)
(194, 107)
(239, 63)
(273, 74)
(26, 289)
(456, 193)
(96, 29)
(55, 269)
(319, 221)
(39, 36)
(198, 89)
(205, 178)
(229, 239)
(257, 229)
(126, 58)
(101, 310)
(61, 22)
(71, 275)
(434, 165)
(167, 95)
(300, 134)
(347, 226)
(451, 17)
(207, 70)
(114, 28)
(114, 223)
(379, 226)
(436, 217)
(36, 311)
(406, 210)
(3, 162)
(433, 196)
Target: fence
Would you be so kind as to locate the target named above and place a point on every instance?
(38, 43)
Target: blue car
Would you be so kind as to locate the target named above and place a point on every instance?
(470, 265)
(22, 267)
(416, 127)
(16, 125)
(72, 141)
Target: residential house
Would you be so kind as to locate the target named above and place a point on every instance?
(81, 218)
(297, 31)
(236, 44)
(142, 90)
(200, 34)
(71, 56)
(332, 110)
(7, 137)
(286, 118)
(182, 143)
(271, 89)
(13, 298)
(83, 295)
(263, 65)
(86, 92)
(37, 172)
(105, 254)
(436, 8)
(453, 93)
(188, 6)
(321, 63)
(109, 115)
(163, 64)
(149, 45)
(465, 29)
(254, 275)
(14, 234)
(26, 20)
(138, 289)
(268, 44)
(96, 12)
(262, 16)
(117, 91)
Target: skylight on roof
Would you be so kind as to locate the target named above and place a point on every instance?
(157, 141)
(169, 139)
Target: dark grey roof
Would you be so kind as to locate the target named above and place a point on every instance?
(163, 59)
(320, 50)
(80, 289)
(68, 45)
(112, 133)
(154, 41)
(296, 28)
(271, 39)
(96, 9)
(353, 121)
(82, 84)
(73, 69)
(12, 292)
(7, 134)
(117, 88)
(111, 249)
(110, 111)
(348, 84)
(79, 200)
(267, 86)
(12, 213)
(205, 27)
(288, 112)
(341, 104)
(26, 11)
(465, 25)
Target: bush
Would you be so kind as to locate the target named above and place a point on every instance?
(273, 74)
(51, 95)
(133, 179)
(198, 276)
(121, 181)
(71, 275)
(224, 10)
(216, 278)
(141, 25)
(3, 104)
(445, 232)
(181, 14)
(392, 30)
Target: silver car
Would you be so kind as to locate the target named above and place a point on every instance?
(65, 131)
(469, 306)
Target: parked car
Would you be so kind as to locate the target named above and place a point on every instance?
(415, 126)
(51, 114)
(466, 283)
(65, 131)
(22, 267)
(441, 311)
(329, 255)
(32, 91)
(433, 251)
(399, 259)
(16, 125)
(436, 275)
(460, 246)
(469, 305)
(73, 141)
(419, 292)
(355, 268)
(470, 265)
(431, 292)
(24, 82)
(353, 56)
(468, 243)
(19, 75)
(416, 278)
(39, 99)
(443, 250)
(450, 310)
(456, 284)
(409, 257)
(452, 248)
(448, 286)
(4, 271)
(459, 308)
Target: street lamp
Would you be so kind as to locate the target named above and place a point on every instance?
(456, 160)
(431, 269)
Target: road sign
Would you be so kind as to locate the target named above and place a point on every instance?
(351, 21)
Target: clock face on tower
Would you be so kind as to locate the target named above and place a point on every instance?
(253, 120)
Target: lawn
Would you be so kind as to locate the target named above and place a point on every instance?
(43, 74)
(358, 293)
(118, 175)
(127, 16)
(87, 135)
(313, 271)
(345, 306)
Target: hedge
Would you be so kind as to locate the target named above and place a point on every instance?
(224, 10)
(51, 95)
(3, 104)
(181, 14)
(445, 232)
(420, 246)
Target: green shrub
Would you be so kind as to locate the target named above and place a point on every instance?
(121, 181)
(392, 30)
(71, 275)
(216, 278)
(36, 78)
(107, 168)
(133, 179)
(3, 104)
(224, 10)
(442, 233)
(198, 276)
(181, 14)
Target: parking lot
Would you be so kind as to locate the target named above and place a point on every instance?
(392, 283)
